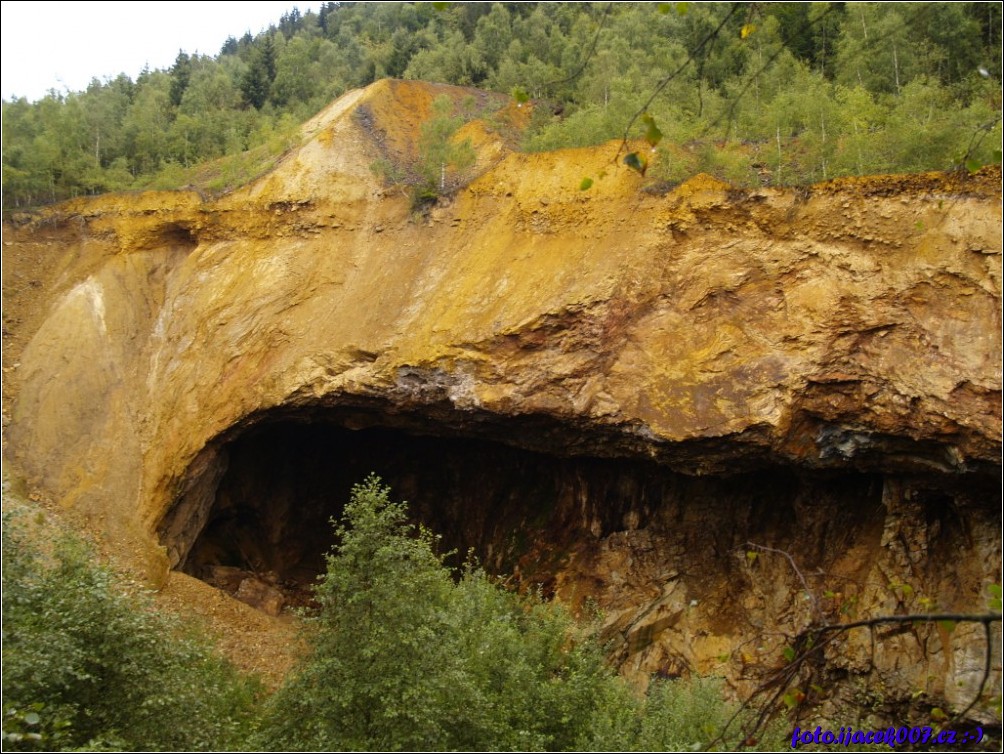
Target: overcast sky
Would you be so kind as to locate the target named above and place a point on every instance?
(63, 45)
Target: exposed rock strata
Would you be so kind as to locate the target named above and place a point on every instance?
(640, 384)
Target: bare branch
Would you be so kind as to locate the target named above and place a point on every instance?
(778, 681)
(985, 618)
(791, 560)
(589, 55)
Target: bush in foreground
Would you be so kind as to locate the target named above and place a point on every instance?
(87, 664)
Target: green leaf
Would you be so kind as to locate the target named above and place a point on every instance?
(665, 8)
(652, 133)
(747, 30)
(751, 556)
(793, 698)
(587, 183)
(636, 162)
(972, 165)
(995, 601)
(947, 625)
(789, 654)
(520, 95)
(441, 6)
(682, 8)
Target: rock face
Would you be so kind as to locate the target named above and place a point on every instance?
(720, 414)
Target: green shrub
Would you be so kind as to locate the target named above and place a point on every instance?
(682, 716)
(540, 681)
(88, 664)
(405, 656)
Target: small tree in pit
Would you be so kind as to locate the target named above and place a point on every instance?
(440, 156)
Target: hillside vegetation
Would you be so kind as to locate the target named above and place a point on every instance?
(755, 93)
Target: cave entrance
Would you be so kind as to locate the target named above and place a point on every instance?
(253, 515)
(278, 484)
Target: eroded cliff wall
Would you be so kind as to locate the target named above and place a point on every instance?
(626, 394)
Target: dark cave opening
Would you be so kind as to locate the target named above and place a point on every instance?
(258, 508)
(285, 481)
(280, 483)
(273, 488)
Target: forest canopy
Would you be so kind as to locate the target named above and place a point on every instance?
(768, 93)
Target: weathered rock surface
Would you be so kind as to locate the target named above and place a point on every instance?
(617, 392)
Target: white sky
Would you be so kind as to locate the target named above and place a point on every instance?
(63, 45)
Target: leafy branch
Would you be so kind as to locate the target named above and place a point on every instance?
(968, 161)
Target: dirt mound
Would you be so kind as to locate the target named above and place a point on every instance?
(254, 641)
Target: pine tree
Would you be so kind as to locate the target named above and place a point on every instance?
(256, 84)
(181, 74)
